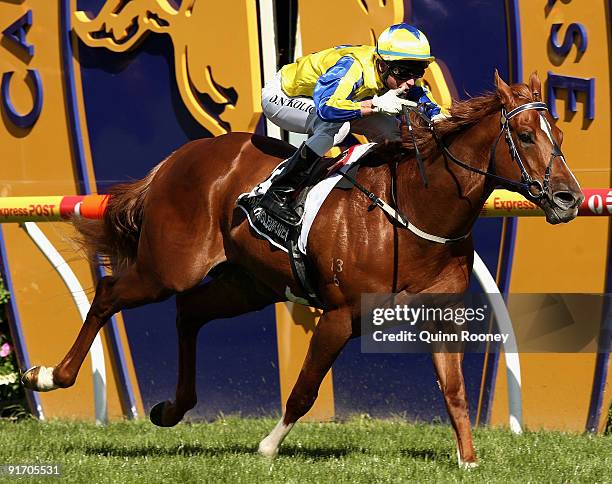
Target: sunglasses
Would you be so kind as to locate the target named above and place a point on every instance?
(404, 72)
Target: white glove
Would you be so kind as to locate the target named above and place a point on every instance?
(390, 102)
(439, 117)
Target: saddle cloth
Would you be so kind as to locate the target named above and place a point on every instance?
(276, 231)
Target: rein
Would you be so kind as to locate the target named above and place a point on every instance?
(398, 216)
(529, 187)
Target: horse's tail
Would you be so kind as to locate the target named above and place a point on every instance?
(113, 240)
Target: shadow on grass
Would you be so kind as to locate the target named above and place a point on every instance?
(197, 450)
(319, 453)
(439, 457)
(154, 451)
(289, 450)
(425, 454)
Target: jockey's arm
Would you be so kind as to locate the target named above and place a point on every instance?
(334, 89)
(422, 96)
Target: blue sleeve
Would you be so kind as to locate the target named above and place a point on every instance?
(334, 89)
(422, 96)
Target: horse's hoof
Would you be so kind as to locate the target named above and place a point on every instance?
(467, 466)
(267, 449)
(157, 415)
(39, 379)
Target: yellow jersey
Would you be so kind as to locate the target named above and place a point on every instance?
(337, 79)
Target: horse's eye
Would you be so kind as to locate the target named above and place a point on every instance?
(526, 137)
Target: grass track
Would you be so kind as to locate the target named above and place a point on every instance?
(360, 450)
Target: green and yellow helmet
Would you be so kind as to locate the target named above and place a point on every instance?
(403, 42)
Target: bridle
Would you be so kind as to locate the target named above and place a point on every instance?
(531, 188)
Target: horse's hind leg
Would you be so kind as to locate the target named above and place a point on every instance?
(113, 293)
(450, 376)
(330, 336)
(229, 294)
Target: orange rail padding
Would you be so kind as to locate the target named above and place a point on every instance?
(93, 206)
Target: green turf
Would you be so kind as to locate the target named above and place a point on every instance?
(360, 450)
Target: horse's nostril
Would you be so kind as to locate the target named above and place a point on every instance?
(564, 199)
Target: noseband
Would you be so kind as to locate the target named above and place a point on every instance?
(531, 188)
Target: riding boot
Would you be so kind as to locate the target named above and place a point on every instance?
(278, 200)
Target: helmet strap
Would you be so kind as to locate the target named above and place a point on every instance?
(384, 73)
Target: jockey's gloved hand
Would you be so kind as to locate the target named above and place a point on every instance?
(391, 102)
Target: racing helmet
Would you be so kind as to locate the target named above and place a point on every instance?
(403, 42)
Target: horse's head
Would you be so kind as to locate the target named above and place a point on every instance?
(531, 153)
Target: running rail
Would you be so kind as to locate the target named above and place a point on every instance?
(504, 324)
(80, 299)
(501, 203)
(269, 52)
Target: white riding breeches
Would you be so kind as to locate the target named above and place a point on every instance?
(298, 115)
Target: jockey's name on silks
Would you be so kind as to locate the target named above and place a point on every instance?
(339, 78)
(292, 103)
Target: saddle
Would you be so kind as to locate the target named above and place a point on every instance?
(293, 239)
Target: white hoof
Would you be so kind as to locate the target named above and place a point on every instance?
(39, 378)
(467, 466)
(267, 448)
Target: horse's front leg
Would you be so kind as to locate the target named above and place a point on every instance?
(450, 376)
(330, 336)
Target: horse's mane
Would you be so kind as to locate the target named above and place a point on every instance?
(463, 115)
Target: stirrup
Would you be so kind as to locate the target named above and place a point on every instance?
(289, 216)
(274, 197)
(286, 213)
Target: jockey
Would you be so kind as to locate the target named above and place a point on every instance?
(344, 89)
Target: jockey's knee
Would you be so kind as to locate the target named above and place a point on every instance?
(327, 135)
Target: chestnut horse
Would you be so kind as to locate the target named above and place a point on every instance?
(165, 233)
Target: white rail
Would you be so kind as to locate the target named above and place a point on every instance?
(504, 323)
(267, 17)
(82, 303)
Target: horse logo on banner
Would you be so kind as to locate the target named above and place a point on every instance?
(218, 76)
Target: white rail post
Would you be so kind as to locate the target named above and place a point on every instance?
(267, 19)
(82, 303)
(504, 323)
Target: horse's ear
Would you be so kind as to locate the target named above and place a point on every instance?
(503, 91)
(535, 86)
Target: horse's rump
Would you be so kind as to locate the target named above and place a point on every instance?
(113, 240)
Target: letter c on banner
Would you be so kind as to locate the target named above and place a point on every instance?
(22, 120)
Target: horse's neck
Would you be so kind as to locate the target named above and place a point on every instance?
(452, 201)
